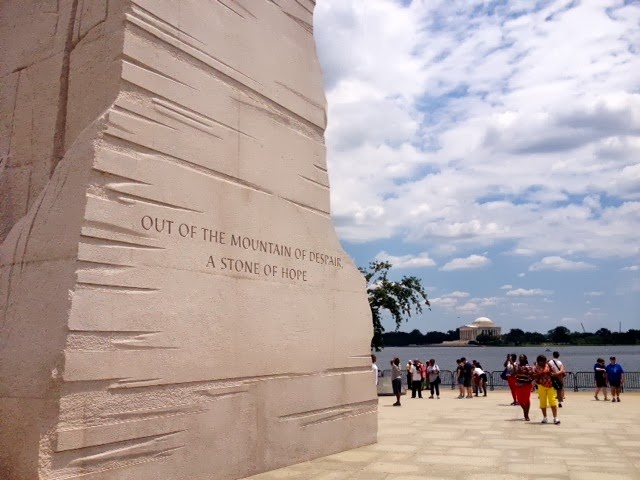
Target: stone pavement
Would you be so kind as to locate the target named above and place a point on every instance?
(486, 439)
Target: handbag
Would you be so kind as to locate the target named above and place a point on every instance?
(504, 375)
(555, 381)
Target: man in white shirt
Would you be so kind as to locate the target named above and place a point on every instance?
(374, 367)
(557, 368)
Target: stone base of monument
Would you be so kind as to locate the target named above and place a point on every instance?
(174, 301)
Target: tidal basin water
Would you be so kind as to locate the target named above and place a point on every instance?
(575, 358)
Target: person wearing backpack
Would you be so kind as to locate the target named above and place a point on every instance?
(557, 368)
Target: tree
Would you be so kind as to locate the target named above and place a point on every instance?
(484, 339)
(400, 299)
(559, 335)
(515, 336)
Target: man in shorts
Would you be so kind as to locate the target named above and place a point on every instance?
(396, 380)
(559, 372)
(615, 376)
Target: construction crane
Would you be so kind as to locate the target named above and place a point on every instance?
(582, 325)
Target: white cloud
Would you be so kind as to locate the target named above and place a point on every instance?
(560, 264)
(472, 261)
(595, 313)
(506, 287)
(444, 302)
(452, 130)
(469, 308)
(457, 294)
(522, 292)
(542, 145)
(486, 301)
(593, 294)
(421, 260)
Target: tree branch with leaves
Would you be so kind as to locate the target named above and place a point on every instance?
(399, 298)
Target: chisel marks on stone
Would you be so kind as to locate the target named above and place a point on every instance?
(315, 210)
(287, 118)
(130, 198)
(196, 167)
(168, 35)
(136, 63)
(93, 225)
(104, 238)
(103, 175)
(118, 454)
(238, 6)
(147, 413)
(161, 24)
(90, 265)
(339, 412)
(104, 341)
(184, 114)
(314, 182)
(116, 288)
(301, 95)
(135, 383)
(308, 9)
(307, 26)
(139, 117)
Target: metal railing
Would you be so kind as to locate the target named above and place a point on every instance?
(575, 381)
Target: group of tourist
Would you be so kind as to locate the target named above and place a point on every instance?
(419, 376)
(545, 375)
(471, 378)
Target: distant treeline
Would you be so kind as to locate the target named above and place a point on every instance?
(558, 335)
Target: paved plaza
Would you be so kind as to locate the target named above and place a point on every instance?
(487, 439)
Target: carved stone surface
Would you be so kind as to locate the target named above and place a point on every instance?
(174, 302)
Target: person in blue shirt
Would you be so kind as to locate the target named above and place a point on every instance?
(615, 376)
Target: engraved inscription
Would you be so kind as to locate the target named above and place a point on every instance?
(242, 242)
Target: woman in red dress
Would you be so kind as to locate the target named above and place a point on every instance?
(524, 384)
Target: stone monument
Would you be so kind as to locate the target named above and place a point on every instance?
(174, 302)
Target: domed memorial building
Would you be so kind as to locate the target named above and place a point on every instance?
(480, 326)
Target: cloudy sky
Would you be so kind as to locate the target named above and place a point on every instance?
(491, 148)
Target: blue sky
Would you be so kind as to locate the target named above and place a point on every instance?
(491, 148)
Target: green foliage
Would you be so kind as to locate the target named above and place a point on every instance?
(559, 335)
(491, 340)
(403, 339)
(399, 298)
(517, 337)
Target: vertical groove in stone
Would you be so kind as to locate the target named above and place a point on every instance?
(63, 97)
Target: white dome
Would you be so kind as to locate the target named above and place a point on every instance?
(483, 322)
